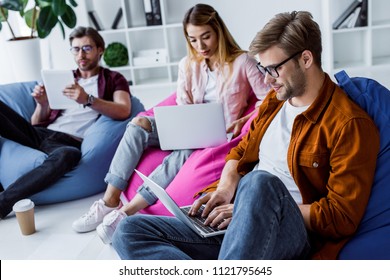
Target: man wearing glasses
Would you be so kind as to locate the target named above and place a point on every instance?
(297, 184)
(57, 133)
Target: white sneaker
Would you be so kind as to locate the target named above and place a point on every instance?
(106, 229)
(90, 220)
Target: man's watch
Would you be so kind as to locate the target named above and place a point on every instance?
(90, 101)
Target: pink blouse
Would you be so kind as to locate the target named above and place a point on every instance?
(233, 88)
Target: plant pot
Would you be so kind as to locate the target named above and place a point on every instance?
(25, 57)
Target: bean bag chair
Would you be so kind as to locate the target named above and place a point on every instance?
(202, 168)
(372, 240)
(98, 148)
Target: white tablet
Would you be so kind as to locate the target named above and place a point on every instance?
(55, 82)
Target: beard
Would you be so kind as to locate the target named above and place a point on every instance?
(295, 87)
(90, 65)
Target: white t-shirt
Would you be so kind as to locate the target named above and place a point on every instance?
(274, 146)
(77, 120)
(211, 89)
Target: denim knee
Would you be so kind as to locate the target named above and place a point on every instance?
(134, 129)
(117, 238)
(125, 236)
(67, 154)
(258, 184)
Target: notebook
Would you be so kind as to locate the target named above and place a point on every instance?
(194, 222)
(55, 82)
(192, 126)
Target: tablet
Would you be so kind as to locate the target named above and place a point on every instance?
(55, 82)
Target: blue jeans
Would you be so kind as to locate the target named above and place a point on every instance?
(266, 224)
(63, 154)
(131, 147)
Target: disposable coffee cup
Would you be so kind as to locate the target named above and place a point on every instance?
(24, 210)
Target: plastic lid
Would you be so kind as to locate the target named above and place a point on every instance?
(23, 205)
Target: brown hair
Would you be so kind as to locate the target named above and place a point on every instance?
(202, 14)
(81, 31)
(292, 32)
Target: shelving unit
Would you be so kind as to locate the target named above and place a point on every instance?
(360, 51)
(155, 80)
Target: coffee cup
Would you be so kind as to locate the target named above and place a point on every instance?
(24, 210)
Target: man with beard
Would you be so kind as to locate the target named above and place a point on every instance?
(59, 134)
(297, 184)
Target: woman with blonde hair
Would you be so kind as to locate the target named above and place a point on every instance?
(216, 69)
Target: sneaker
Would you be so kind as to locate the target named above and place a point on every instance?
(90, 220)
(106, 229)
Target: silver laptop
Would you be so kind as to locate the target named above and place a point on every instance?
(192, 126)
(196, 223)
(55, 82)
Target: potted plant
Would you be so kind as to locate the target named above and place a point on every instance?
(41, 17)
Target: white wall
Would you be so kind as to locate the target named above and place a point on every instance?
(244, 18)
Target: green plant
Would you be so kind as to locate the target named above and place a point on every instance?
(116, 55)
(42, 17)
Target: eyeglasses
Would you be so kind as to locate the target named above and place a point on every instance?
(85, 48)
(273, 70)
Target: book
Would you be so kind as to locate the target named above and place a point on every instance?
(156, 10)
(148, 12)
(355, 17)
(346, 14)
(117, 18)
(362, 18)
(350, 20)
(95, 20)
(345, 23)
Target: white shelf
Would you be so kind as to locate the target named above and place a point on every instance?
(150, 66)
(151, 83)
(380, 23)
(350, 30)
(381, 60)
(361, 51)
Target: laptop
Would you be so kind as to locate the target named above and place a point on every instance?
(194, 126)
(196, 223)
(55, 82)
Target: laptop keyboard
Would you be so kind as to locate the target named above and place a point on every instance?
(199, 220)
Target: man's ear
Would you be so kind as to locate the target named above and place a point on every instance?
(100, 51)
(307, 58)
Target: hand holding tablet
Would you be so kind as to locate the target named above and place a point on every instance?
(55, 82)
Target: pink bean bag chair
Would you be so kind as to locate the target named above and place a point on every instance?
(202, 168)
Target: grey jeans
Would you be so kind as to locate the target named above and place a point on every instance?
(131, 147)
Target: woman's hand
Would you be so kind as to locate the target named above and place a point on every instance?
(236, 126)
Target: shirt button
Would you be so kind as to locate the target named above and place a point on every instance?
(315, 164)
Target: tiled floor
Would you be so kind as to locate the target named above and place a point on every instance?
(55, 238)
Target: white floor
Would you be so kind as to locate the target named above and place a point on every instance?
(55, 238)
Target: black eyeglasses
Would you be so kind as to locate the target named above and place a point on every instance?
(85, 48)
(273, 70)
